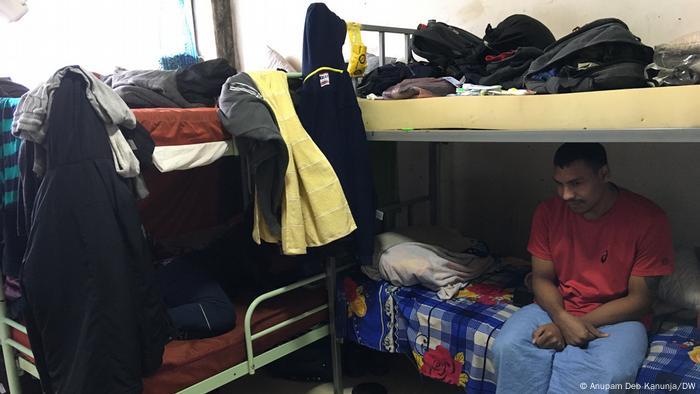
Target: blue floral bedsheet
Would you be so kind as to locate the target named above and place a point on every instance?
(451, 340)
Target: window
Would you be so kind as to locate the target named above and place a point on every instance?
(98, 35)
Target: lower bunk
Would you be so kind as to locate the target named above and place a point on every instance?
(268, 327)
(452, 340)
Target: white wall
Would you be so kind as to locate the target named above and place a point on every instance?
(490, 190)
(280, 24)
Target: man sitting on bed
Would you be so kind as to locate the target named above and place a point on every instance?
(598, 251)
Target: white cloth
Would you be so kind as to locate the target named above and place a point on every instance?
(184, 157)
(31, 118)
(412, 263)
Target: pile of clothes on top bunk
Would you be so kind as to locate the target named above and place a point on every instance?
(521, 56)
(197, 85)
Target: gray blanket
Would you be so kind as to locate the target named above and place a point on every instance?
(149, 89)
(438, 258)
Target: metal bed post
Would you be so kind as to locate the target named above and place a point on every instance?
(382, 49)
(434, 181)
(335, 341)
(382, 30)
(7, 351)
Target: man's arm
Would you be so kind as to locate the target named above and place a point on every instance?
(544, 286)
(633, 306)
(575, 330)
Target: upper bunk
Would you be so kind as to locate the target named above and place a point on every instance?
(666, 114)
(654, 114)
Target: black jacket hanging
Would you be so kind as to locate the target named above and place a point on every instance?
(330, 114)
(95, 323)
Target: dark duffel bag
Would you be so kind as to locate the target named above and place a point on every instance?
(601, 55)
(455, 51)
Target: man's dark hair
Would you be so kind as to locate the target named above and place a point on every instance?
(593, 154)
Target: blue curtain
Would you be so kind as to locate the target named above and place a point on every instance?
(177, 35)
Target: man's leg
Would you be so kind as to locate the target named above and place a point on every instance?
(606, 362)
(522, 367)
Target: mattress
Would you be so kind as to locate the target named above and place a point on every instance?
(461, 332)
(188, 209)
(666, 107)
(194, 189)
(185, 138)
(188, 362)
(180, 126)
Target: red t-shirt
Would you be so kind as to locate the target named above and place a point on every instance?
(593, 259)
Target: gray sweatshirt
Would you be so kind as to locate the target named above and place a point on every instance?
(31, 118)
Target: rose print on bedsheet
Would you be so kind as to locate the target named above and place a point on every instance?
(439, 364)
(355, 296)
(487, 294)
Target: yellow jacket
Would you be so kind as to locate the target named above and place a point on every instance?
(314, 209)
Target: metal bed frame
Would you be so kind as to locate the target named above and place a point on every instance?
(438, 137)
(434, 137)
(15, 364)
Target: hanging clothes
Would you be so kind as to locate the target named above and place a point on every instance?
(13, 241)
(329, 112)
(264, 157)
(31, 118)
(95, 322)
(314, 211)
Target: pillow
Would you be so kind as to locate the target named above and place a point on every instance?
(682, 288)
(275, 61)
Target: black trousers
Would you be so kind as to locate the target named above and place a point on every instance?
(197, 305)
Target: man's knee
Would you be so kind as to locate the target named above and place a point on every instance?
(512, 339)
(516, 334)
(619, 373)
(621, 365)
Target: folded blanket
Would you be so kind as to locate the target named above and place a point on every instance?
(149, 89)
(440, 259)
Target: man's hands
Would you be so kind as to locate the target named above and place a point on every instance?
(577, 331)
(567, 330)
(548, 336)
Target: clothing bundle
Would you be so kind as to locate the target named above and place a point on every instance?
(197, 85)
(31, 119)
(419, 88)
(86, 237)
(289, 176)
(438, 258)
(305, 169)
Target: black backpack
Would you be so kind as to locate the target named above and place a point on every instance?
(601, 55)
(455, 51)
(518, 31)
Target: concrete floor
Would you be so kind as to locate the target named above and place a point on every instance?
(401, 378)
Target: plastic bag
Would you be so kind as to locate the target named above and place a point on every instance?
(677, 62)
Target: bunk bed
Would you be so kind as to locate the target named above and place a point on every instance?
(458, 333)
(268, 326)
